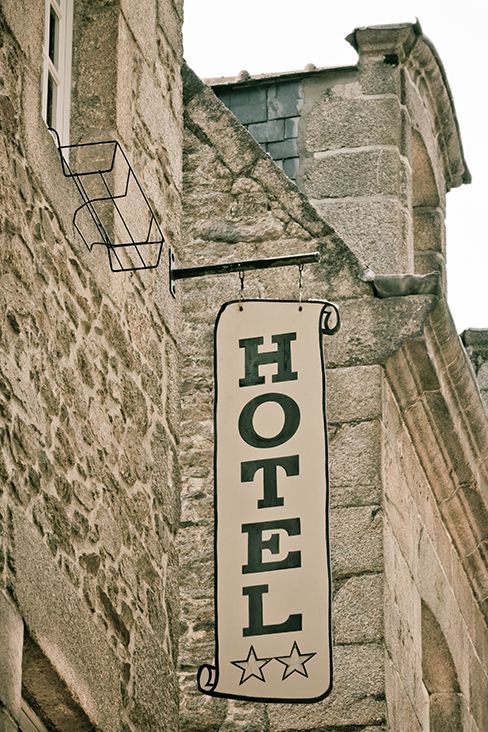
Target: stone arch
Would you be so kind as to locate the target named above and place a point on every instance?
(446, 703)
(428, 214)
(424, 184)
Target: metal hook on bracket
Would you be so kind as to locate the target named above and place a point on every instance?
(300, 285)
(241, 289)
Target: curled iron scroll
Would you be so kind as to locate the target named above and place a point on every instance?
(331, 319)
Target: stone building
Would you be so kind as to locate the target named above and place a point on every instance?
(95, 452)
(373, 149)
(89, 494)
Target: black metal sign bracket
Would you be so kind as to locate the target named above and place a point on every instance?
(228, 267)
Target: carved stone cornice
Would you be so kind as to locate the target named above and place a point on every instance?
(406, 44)
(439, 398)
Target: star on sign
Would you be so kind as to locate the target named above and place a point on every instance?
(295, 662)
(252, 666)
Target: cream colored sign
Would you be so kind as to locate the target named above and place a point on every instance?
(273, 640)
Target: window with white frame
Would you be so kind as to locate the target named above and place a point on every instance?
(56, 72)
(29, 721)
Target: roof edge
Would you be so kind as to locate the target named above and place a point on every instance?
(412, 48)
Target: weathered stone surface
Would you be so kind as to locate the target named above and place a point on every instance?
(81, 357)
(357, 697)
(355, 465)
(356, 540)
(375, 229)
(370, 172)
(347, 123)
(428, 230)
(427, 262)
(357, 611)
(362, 338)
(354, 394)
(401, 714)
(7, 724)
(153, 670)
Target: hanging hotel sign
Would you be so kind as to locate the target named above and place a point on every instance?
(272, 574)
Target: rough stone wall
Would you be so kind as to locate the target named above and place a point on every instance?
(407, 461)
(378, 145)
(355, 163)
(89, 415)
(238, 205)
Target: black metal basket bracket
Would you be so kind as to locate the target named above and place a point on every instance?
(115, 212)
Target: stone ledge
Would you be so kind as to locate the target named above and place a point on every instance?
(373, 330)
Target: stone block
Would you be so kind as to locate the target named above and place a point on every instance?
(406, 139)
(143, 27)
(153, 670)
(356, 699)
(379, 77)
(372, 330)
(249, 104)
(426, 262)
(268, 131)
(478, 692)
(482, 376)
(355, 465)
(480, 637)
(401, 594)
(170, 22)
(401, 715)
(95, 71)
(429, 230)
(401, 649)
(345, 123)
(284, 99)
(354, 394)
(369, 172)
(406, 184)
(377, 230)
(356, 540)
(401, 517)
(27, 25)
(448, 713)
(11, 639)
(357, 611)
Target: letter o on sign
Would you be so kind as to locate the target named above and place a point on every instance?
(290, 426)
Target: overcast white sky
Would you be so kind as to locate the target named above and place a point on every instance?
(222, 37)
